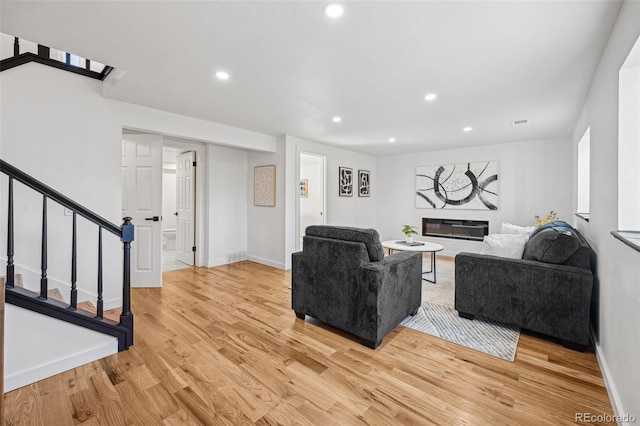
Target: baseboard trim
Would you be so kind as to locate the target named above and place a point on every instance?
(267, 262)
(57, 366)
(612, 391)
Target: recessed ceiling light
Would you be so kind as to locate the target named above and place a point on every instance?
(392, 140)
(337, 119)
(430, 97)
(222, 75)
(467, 129)
(333, 10)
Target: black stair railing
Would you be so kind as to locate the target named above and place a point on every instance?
(40, 302)
(44, 57)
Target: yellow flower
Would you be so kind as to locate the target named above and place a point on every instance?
(550, 217)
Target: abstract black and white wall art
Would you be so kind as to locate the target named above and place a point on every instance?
(472, 186)
(345, 182)
(363, 183)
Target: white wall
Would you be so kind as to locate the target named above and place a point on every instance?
(533, 178)
(227, 212)
(267, 225)
(56, 126)
(61, 347)
(618, 292)
(344, 211)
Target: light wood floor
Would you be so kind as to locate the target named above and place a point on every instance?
(222, 346)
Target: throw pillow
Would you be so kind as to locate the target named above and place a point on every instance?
(508, 228)
(504, 245)
(554, 224)
(552, 245)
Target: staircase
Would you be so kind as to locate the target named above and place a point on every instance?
(53, 302)
(56, 294)
(27, 51)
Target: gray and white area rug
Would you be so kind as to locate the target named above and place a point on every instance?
(438, 318)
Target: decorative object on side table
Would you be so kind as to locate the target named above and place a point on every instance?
(345, 182)
(409, 232)
(363, 183)
(550, 217)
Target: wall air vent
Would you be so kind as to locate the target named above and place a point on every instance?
(236, 257)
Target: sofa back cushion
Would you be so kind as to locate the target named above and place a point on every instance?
(368, 236)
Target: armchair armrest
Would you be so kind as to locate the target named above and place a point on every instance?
(398, 288)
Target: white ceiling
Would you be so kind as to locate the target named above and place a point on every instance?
(292, 68)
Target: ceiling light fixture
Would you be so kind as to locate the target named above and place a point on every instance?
(430, 97)
(392, 140)
(222, 75)
(337, 119)
(467, 129)
(333, 10)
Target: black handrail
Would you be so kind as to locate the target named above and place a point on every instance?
(21, 297)
(44, 57)
(54, 195)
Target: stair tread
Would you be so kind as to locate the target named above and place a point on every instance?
(17, 280)
(55, 294)
(112, 314)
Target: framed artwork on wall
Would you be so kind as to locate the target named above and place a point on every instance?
(345, 182)
(364, 183)
(264, 186)
(304, 188)
(470, 186)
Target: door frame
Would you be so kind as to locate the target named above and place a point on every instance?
(300, 152)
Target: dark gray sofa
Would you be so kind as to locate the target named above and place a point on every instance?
(343, 279)
(547, 291)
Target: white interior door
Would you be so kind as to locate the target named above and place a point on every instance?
(142, 201)
(185, 203)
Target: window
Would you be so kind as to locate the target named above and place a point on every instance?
(584, 174)
(629, 149)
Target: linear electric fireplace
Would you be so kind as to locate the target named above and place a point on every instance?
(458, 229)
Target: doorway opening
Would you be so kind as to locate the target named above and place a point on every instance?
(171, 260)
(159, 194)
(312, 197)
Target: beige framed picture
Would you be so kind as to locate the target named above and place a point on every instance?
(264, 186)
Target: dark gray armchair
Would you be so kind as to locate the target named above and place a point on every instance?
(343, 279)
